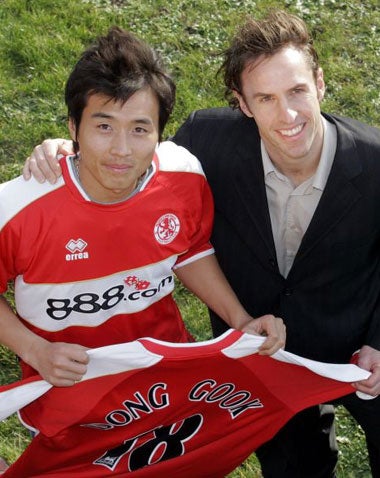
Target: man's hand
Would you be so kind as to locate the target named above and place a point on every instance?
(59, 363)
(369, 359)
(270, 326)
(43, 163)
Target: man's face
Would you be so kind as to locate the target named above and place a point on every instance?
(117, 143)
(281, 94)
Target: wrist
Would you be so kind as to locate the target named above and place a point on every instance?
(242, 321)
(32, 347)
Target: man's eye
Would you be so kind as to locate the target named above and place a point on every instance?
(105, 127)
(265, 99)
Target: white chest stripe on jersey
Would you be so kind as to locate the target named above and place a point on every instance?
(54, 307)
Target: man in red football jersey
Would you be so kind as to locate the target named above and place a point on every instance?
(93, 255)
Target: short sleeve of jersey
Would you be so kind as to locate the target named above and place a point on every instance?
(15, 241)
(9, 235)
(192, 189)
(6, 262)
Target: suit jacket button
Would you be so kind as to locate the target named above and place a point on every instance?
(288, 292)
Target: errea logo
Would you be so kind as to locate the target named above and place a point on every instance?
(77, 250)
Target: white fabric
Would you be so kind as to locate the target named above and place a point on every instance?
(118, 358)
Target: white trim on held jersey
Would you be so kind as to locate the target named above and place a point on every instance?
(124, 357)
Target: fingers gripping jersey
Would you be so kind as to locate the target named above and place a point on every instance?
(154, 409)
(97, 274)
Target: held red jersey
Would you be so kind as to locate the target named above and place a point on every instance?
(154, 409)
(99, 274)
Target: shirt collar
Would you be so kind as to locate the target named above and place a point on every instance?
(327, 155)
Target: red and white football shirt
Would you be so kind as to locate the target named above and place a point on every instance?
(169, 410)
(100, 274)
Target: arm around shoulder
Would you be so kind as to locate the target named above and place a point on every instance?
(43, 162)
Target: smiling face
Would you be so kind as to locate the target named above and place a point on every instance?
(282, 95)
(117, 143)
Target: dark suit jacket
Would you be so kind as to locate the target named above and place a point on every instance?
(330, 300)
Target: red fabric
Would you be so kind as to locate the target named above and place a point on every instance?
(100, 274)
(197, 413)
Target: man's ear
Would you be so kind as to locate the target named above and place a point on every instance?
(321, 87)
(242, 104)
(72, 129)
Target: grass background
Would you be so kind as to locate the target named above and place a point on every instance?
(40, 41)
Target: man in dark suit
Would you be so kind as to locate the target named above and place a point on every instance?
(297, 224)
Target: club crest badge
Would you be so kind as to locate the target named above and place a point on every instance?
(166, 228)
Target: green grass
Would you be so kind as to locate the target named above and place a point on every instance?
(41, 39)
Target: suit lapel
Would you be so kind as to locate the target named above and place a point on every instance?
(338, 197)
(252, 218)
